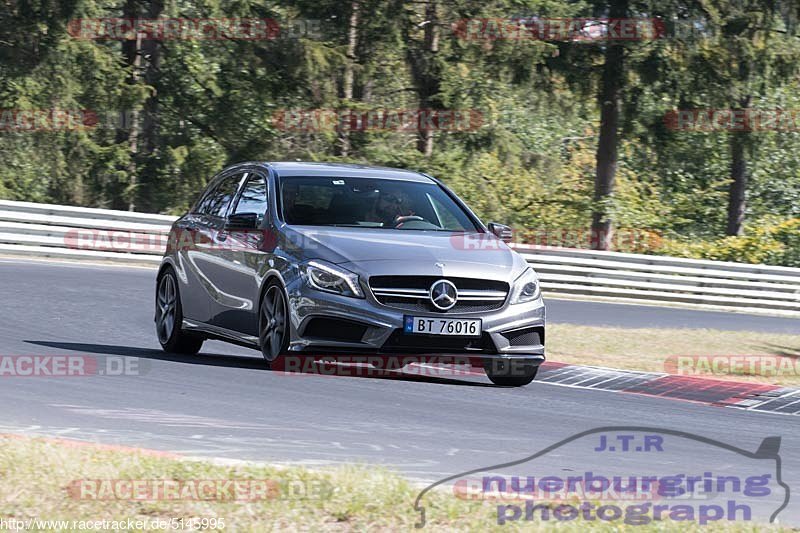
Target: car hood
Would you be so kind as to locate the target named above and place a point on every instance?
(375, 252)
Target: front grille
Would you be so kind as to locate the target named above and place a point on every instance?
(411, 293)
(399, 341)
(424, 306)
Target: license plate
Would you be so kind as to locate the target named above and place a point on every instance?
(458, 327)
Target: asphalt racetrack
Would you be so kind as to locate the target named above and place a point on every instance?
(223, 403)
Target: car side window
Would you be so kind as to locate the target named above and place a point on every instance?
(202, 205)
(253, 198)
(217, 202)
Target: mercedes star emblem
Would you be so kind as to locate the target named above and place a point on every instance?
(443, 295)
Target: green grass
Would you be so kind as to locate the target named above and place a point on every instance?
(649, 349)
(35, 474)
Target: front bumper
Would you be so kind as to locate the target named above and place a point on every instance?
(510, 332)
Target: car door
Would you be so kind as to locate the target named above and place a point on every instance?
(187, 234)
(243, 252)
(206, 257)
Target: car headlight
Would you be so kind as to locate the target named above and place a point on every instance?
(329, 278)
(526, 288)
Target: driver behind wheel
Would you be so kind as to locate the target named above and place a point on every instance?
(390, 208)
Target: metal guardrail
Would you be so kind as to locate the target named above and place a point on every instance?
(80, 233)
(102, 235)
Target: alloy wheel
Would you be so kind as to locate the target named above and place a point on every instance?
(273, 323)
(165, 319)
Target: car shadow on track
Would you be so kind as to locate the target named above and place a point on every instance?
(256, 363)
(230, 361)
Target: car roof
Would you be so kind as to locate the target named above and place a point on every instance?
(344, 170)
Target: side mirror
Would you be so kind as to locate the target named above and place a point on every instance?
(242, 221)
(501, 231)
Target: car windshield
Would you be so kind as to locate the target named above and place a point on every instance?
(371, 203)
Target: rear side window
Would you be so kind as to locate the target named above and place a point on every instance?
(216, 202)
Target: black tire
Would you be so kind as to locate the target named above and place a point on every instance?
(273, 324)
(169, 317)
(510, 373)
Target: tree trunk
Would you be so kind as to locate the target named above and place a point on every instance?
(736, 194)
(150, 51)
(343, 147)
(139, 130)
(128, 129)
(151, 57)
(432, 79)
(607, 144)
(425, 71)
(737, 201)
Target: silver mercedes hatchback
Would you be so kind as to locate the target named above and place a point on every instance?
(307, 260)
